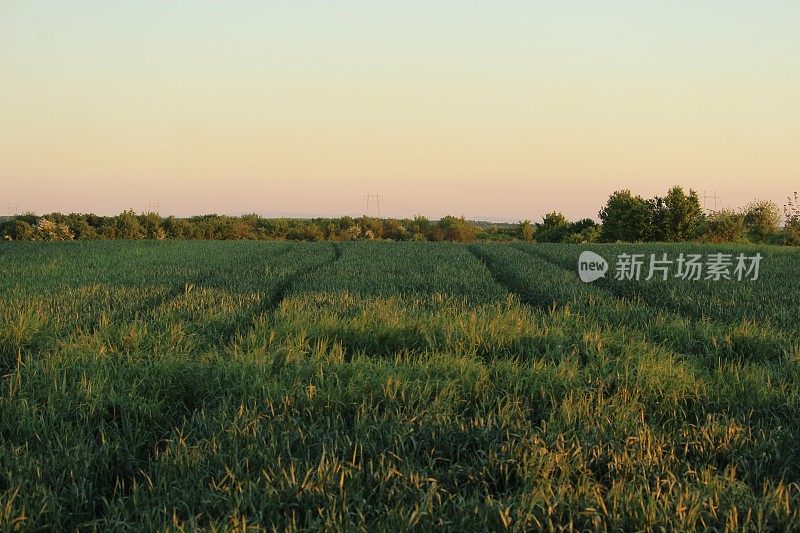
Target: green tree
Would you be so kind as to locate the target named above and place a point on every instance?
(420, 226)
(626, 218)
(762, 219)
(553, 228)
(677, 216)
(792, 213)
(21, 230)
(128, 226)
(152, 226)
(525, 230)
(456, 229)
(177, 228)
(275, 228)
(583, 231)
(83, 230)
(48, 230)
(586, 235)
(726, 226)
(372, 227)
(395, 230)
(108, 229)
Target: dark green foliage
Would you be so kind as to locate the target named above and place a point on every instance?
(791, 213)
(677, 217)
(673, 218)
(128, 225)
(584, 231)
(626, 217)
(526, 230)
(454, 229)
(726, 226)
(553, 228)
(762, 219)
(19, 230)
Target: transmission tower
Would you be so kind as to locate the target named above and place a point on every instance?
(377, 197)
(707, 200)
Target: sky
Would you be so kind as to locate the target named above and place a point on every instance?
(494, 110)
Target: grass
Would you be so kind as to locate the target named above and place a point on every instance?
(377, 386)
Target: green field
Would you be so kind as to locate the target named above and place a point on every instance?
(370, 385)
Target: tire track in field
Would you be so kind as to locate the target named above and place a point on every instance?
(201, 280)
(209, 279)
(501, 276)
(545, 303)
(285, 286)
(618, 292)
(542, 303)
(725, 328)
(611, 290)
(634, 294)
(280, 292)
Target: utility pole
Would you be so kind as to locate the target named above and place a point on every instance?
(12, 210)
(152, 209)
(377, 196)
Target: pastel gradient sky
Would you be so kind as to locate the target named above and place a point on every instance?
(498, 110)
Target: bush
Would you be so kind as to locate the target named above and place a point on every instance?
(554, 228)
(762, 219)
(525, 230)
(84, 231)
(793, 232)
(128, 226)
(792, 213)
(47, 230)
(726, 226)
(20, 231)
(677, 217)
(627, 218)
(456, 229)
(587, 235)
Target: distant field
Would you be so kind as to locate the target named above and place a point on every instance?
(366, 385)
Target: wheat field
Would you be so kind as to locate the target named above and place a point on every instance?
(234, 385)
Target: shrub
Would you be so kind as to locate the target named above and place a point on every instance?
(20, 231)
(762, 219)
(792, 213)
(525, 230)
(677, 216)
(128, 226)
(83, 230)
(627, 218)
(554, 228)
(726, 226)
(47, 230)
(456, 229)
(587, 235)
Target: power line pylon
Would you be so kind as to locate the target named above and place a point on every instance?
(377, 197)
(706, 199)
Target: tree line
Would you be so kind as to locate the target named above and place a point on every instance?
(677, 216)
